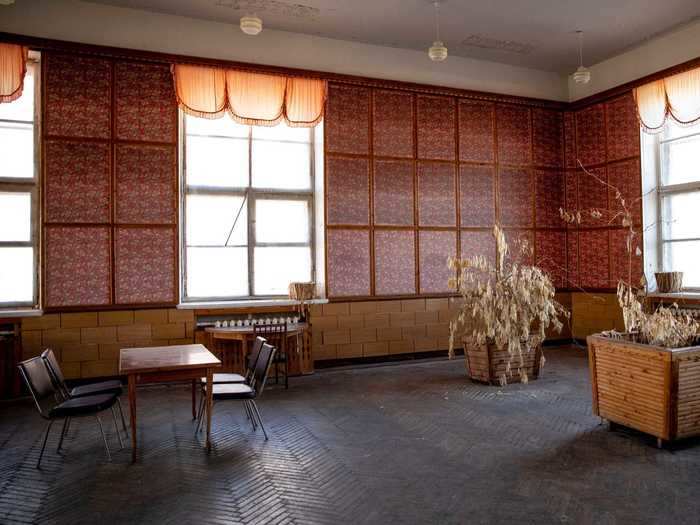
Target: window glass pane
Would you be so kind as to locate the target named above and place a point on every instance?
(680, 215)
(23, 107)
(222, 127)
(16, 275)
(217, 272)
(16, 150)
(15, 216)
(276, 267)
(218, 162)
(673, 130)
(684, 257)
(210, 218)
(681, 160)
(282, 132)
(282, 165)
(281, 221)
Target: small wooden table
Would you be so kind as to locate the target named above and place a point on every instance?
(162, 364)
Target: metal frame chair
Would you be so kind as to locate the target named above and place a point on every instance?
(102, 387)
(276, 335)
(52, 406)
(246, 393)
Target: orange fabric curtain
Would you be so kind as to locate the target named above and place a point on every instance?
(254, 99)
(13, 67)
(676, 97)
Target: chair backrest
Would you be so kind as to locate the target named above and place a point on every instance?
(38, 379)
(55, 371)
(274, 334)
(253, 357)
(262, 367)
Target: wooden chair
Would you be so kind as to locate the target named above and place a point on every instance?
(276, 335)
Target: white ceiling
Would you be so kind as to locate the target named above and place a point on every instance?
(538, 34)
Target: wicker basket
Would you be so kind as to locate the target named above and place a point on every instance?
(489, 364)
(669, 282)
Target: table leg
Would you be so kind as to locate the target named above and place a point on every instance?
(194, 399)
(209, 407)
(132, 414)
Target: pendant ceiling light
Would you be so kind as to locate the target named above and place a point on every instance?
(437, 52)
(251, 25)
(582, 75)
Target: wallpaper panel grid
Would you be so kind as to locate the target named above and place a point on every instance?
(413, 178)
(110, 183)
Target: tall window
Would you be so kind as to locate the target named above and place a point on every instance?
(679, 205)
(19, 198)
(248, 209)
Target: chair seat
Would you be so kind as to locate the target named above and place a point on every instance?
(80, 406)
(232, 391)
(103, 387)
(218, 379)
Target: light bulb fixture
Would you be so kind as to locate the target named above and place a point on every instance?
(582, 75)
(437, 52)
(251, 25)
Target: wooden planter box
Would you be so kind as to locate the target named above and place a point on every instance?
(649, 388)
(488, 364)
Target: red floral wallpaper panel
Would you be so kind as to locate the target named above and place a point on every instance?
(620, 258)
(77, 182)
(572, 259)
(393, 123)
(476, 140)
(146, 109)
(393, 192)
(77, 266)
(590, 135)
(77, 96)
(571, 193)
(436, 127)
(547, 138)
(395, 262)
(550, 196)
(476, 196)
(347, 119)
(516, 196)
(550, 255)
(435, 247)
(570, 140)
(478, 242)
(145, 265)
(627, 178)
(623, 127)
(145, 184)
(521, 245)
(348, 263)
(347, 190)
(436, 194)
(594, 258)
(593, 195)
(513, 131)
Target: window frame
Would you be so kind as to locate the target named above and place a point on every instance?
(665, 190)
(31, 186)
(251, 195)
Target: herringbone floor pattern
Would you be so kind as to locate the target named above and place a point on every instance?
(401, 443)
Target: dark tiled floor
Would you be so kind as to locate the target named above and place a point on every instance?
(406, 443)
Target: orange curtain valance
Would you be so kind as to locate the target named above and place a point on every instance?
(253, 99)
(13, 67)
(676, 97)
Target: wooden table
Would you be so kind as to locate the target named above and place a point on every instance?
(162, 364)
(246, 335)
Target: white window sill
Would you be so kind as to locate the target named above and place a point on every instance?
(694, 294)
(251, 303)
(29, 312)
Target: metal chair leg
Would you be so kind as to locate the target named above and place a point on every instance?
(257, 411)
(64, 431)
(43, 446)
(200, 414)
(104, 438)
(249, 414)
(116, 427)
(121, 413)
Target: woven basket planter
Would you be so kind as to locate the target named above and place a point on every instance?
(669, 282)
(489, 364)
(649, 388)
